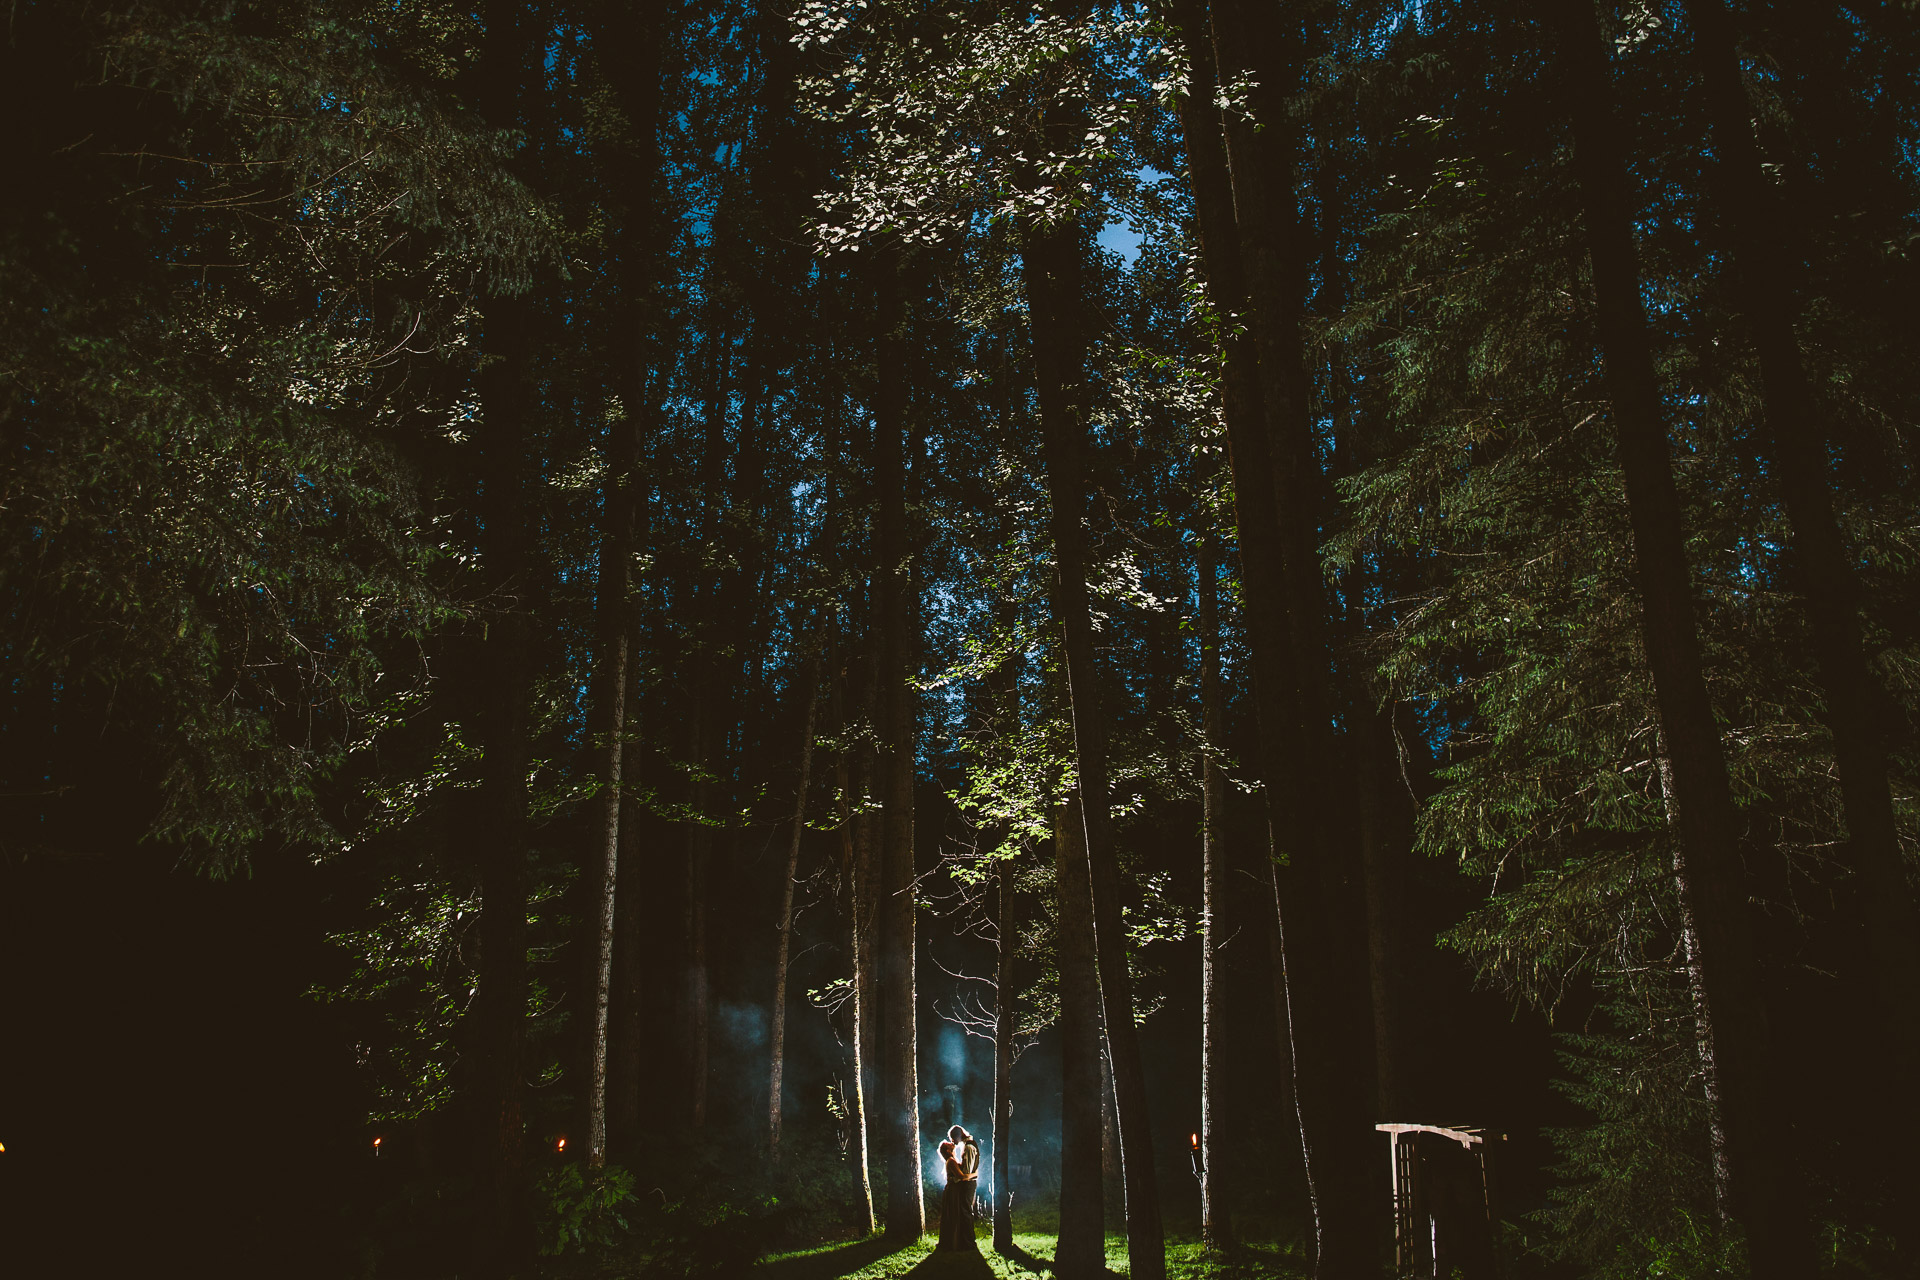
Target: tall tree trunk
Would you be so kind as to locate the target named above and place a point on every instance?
(605, 864)
(506, 400)
(1216, 1224)
(1383, 842)
(502, 984)
(858, 1015)
(1286, 620)
(1052, 270)
(811, 677)
(695, 991)
(629, 1037)
(629, 1025)
(866, 908)
(1243, 412)
(1113, 1187)
(636, 34)
(1082, 1245)
(1288, 1102)
(1762, 272)
(894, 591)
(1723, 966)
(707, 722)
(1383, 836)
(1007, 929)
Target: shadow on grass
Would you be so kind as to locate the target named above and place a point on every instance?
(828, 1263)
(952, 1266)
(1031, 1262)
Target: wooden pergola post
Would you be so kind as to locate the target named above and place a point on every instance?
(1443, 1216)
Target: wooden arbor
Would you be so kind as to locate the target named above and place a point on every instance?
(1443, 1218)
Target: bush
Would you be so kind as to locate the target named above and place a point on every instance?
(576, 1210)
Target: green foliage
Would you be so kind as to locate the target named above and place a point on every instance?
(1634, 1196)
(412, 974)
(1696, 1251)
(582, 1210)
(217, 300)
(702, 1211)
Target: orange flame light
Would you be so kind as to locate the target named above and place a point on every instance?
(560, 1145)
(376, 1145)
(1196, 1142)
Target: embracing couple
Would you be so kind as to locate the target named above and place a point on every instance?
(962, 1156)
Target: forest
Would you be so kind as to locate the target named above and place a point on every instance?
(641, 634)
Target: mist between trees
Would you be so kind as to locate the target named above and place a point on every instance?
(678, 625)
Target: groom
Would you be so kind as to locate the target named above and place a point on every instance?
(967, 1152)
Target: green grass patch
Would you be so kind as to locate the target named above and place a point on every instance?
(874, 1259)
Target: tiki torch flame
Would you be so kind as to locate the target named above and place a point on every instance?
(560, 1145)
(1196, 1142)
(376, 1145)
(1199, 1173)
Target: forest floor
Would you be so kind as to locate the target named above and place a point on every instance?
(1032, 1256)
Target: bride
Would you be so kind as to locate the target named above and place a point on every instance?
(956, 1204)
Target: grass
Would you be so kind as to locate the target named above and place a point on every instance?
(875, 1259)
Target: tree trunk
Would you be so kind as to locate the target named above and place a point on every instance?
(1286, 616)
(630, 1035)
(1216, 1224)
(1762, 272)
(1113, 1189)
(605, 865)
(502, 1240)
(1707, 871)
(1082, 1246)
(866, 922)
(1243, 412)
(1288, 1101)
(1052, 270)
(858, 1012)
(502, 984)
(695, 1013)
(1256, 517)
(1384, 837)
(811, 678)
(1007, 927)
(906, 1206)
(1383, 843)
(636, 34)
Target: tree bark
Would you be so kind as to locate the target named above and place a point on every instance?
(1082, 1246)
(502, 1240)
(636, 34)
(1113, 1187)
(1723, 967)
(1052, 269)
(1216, 1224)
(1289, 1101)
(1762, 272)
(1007, 928)
(898, 699)
(1276, 484)
(866, 905)
(811, 677)
(1384, 835)
(629, 1035)
(859, 1015)
(605, 864)
(1383, 844)
(695, 992)
(1256, 518)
